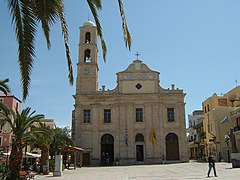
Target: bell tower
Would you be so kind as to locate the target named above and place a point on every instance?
(87, 66)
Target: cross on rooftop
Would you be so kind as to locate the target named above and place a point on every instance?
(137, 54)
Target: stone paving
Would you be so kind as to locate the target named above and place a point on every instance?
(191, 170)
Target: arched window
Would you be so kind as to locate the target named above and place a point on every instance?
(87, 56)
(139, 137)
(88, 37)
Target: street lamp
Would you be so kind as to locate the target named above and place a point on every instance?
(227, 138)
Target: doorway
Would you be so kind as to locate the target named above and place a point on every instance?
(107, 149)
(139, 153)
(86, 159)
(172, 147)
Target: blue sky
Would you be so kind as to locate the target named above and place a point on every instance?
(194, 44)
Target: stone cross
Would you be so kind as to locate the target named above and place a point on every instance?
(137, 54)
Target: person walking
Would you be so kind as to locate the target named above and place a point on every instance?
(211, 164)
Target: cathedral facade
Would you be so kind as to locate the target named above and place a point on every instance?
(138, 122)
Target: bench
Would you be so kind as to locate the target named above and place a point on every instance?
(26, 175)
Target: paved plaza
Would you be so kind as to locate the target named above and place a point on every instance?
(191, 170)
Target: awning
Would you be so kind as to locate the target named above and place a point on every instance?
(71, 149)
(32, 155)
(28, 155)
(7, 154)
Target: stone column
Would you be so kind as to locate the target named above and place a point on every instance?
(58, 166)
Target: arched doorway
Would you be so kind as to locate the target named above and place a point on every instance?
(139, 139)
(107, 149)
(172, 147)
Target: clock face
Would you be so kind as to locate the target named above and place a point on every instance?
(86, 70)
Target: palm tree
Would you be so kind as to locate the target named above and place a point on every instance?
(21, 125)
(61, 139)
(4, 87)
(26, 15)
(42, 139)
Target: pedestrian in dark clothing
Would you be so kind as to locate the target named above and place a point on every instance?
(211, 164)
(107, 158)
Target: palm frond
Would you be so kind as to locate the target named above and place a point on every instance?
(94, 6)
(25, 27)
(41, 135)
(4, 87)
(65, 35)
(5, 115)
(126, 33)
(47, 13)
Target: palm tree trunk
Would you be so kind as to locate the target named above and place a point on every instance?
(45, 159)
(15, 160)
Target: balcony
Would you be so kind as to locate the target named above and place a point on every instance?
(236, 128)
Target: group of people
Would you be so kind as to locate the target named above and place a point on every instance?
(32, 167)
(105, 158)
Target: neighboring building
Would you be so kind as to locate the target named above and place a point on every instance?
(196, 135)
(138, 122)
(220, 115)
(235, 118)
(5, 131)
(49, 122)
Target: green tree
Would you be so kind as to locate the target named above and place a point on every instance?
(21, 125)
(4, 87)
(61, 139)
(43, 138)
(27, 14)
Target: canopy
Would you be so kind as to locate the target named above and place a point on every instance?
(32, 155)
(71, 149)
(28, 155)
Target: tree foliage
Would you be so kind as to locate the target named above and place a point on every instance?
(4, 86)
(26, 15)
(61, 138)
(21, 124)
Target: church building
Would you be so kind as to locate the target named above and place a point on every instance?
(137, 122)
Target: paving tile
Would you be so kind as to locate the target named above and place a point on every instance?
(190, 171)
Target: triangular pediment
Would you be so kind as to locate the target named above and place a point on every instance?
(138, 78)
(138, 67)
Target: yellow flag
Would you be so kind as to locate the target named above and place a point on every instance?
(153, 139)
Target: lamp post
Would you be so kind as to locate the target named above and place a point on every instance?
(227, 138)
